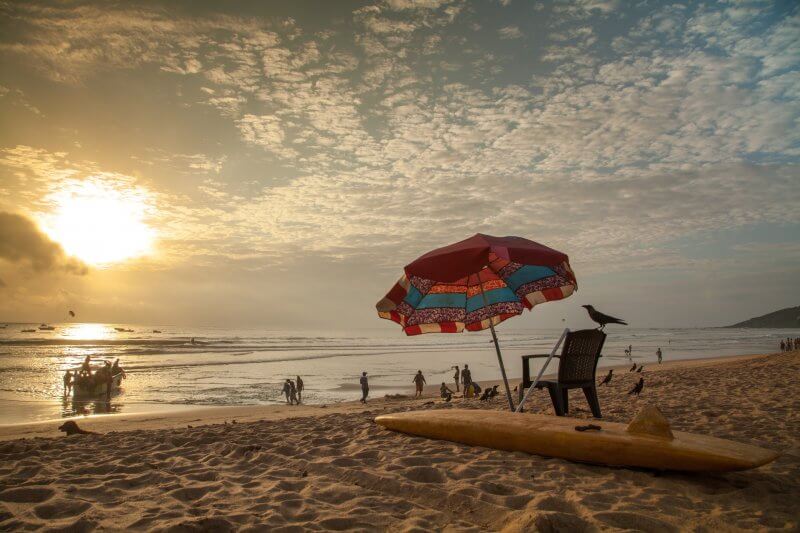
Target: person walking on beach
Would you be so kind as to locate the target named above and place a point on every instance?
(783, 346)
(364, 387)
(419, 381)
(293, 393)
(67, 383)
(658, 354)
(457, 377)
(299, 390)
(287, 390)
(466, 378)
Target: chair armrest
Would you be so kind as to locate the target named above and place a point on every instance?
(538, 355)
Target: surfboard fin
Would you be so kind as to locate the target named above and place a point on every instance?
(650, 421)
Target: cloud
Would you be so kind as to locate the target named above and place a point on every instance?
(22, 242)
(510, 32)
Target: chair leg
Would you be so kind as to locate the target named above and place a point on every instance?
(594, 403)
(555, 397)
(565, 401)
(520, 395)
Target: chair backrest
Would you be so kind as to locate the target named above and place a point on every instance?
(579, 357)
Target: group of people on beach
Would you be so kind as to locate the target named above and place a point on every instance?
(790, 344)
(293, 391)
(84, 377)
(461, 377)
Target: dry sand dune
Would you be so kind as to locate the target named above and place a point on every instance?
(340, 471)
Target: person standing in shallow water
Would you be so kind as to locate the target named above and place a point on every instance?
(419, 381)
(300, 386)
(457, 378)
(658, 354)
(293, 393)
(364, 387)
(67, 383)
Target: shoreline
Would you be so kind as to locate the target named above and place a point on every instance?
(167, 418)
(334, 468)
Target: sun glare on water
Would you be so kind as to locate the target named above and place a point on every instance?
(100, 222)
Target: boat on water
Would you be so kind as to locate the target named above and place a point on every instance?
(45, 327)
(89, 387)
(123, 330)
(28, 330)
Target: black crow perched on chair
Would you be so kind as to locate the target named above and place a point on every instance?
(601, 318)
(637, 388)
(641, 367)
(607, 379)
(632, 368)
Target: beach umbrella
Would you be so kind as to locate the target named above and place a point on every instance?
(475, 284)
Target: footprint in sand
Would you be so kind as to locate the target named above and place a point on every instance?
(26, 495)
(60, 508)
(424, 474)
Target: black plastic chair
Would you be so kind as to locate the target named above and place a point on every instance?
(576, 370)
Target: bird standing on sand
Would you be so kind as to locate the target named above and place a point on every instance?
(607, 379)
(637, 388)
(602, 319)
(639, 370)
(632, 368)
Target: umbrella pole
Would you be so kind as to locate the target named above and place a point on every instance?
(497, 348)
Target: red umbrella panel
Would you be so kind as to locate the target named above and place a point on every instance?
(475, 302)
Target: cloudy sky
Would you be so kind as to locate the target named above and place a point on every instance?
(277, 163)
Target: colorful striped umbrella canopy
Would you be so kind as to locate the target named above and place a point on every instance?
(443, 291)
(475, 284)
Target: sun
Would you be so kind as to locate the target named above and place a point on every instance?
(100, 221)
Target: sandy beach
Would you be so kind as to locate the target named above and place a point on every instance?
(332, 468)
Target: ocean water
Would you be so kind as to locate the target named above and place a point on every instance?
(183, 366)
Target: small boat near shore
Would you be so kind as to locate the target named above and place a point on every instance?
(45, 327)
(28, 330)
(123, 330)
(88, 387)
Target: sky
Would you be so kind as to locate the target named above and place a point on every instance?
(276, 164)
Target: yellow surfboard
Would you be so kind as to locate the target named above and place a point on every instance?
(646, 442)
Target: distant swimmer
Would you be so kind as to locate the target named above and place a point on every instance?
(637, 388)
(601, 318)
(607, 379)
(457, 377)
(419, 381)
(300, 387)
(364, 387)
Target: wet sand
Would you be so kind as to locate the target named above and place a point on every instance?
(314, 467)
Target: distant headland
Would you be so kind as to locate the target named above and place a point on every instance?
(785, 318)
